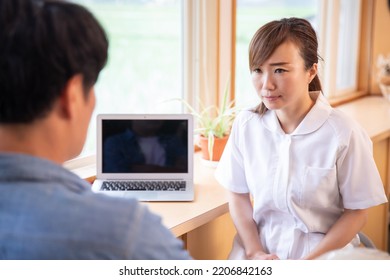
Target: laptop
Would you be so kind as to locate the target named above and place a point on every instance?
(145, 156)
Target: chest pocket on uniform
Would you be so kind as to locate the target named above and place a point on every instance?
(320, 187)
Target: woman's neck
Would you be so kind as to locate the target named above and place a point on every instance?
(290, 118)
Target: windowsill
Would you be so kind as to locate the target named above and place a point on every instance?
(344, 99)
(372, 112)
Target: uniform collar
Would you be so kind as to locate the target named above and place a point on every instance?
(316, 117)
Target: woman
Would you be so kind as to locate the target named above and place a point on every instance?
(308, 168)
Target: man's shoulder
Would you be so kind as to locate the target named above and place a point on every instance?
(113, 212)
(104, 226)
(131, 229)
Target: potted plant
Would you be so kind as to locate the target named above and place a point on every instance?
(213, 126)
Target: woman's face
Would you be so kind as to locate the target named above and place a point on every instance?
(282, 81)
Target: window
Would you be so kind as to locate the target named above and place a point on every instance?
(348, 37)
(337, 25)
(144, 68)
(340, 46)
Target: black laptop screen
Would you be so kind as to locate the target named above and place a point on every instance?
(145, 146)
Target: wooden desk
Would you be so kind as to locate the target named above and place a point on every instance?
(210, 203)
(204, 224)
(373, 114)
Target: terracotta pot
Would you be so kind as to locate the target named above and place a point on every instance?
(219, 146)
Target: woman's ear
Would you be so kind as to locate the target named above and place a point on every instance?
(71, 96)
(313, 72)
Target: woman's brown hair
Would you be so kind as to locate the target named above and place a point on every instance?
(271, 35)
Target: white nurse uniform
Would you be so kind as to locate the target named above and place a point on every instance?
(300, 182)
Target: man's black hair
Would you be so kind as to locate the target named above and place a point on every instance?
(42, 45)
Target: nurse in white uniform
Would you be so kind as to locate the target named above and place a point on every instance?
(301, 174)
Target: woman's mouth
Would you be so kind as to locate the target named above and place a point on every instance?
(271, 98)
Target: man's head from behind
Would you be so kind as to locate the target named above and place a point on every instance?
(44, 46)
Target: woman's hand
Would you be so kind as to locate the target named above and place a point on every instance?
(241, 211)
(263, 256)
(341, 233)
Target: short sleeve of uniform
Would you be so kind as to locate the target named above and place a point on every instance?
(230, 171)
(359, 181)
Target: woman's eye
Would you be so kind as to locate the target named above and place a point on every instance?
(279, 70)
(257, 70)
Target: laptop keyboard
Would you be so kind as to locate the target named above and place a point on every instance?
(143, 186)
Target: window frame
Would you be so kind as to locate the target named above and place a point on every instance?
(329, 30)
(364, 57)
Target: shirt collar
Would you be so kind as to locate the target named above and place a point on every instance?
(314, 119)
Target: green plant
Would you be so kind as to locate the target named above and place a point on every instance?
(213, 121)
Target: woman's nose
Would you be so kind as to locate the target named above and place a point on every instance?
(267, 82)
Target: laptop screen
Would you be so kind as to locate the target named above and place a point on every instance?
(145, 146)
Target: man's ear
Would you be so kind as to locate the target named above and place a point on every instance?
(71, 96)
